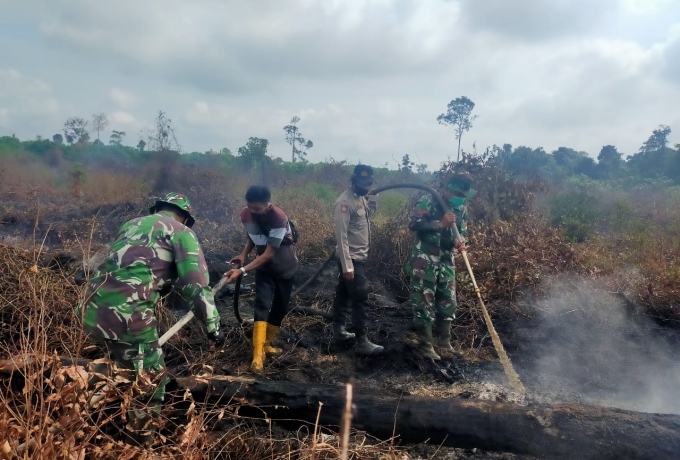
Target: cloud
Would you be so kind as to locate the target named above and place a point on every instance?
(368, 78)
(535, 19)
(122, 118)
(23, 98)
(644, 7)
(671, 55)
(236, 46)
(122, 99)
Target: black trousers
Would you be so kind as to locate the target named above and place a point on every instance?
(353, 292)
(272, 296)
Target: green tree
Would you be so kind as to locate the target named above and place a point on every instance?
(58, 139)
(655, 158)
(587, 167)
(407, 164)
(99, 123)
(76, 130)
(609, 161)
(117, 137)
(527, 162)
(254, 152)
(140, 145)
(568, 159)
(459, 115)
(657, 141)
(298, 143)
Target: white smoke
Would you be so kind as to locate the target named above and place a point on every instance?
(592, 346)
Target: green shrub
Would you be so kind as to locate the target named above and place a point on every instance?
(390, 204)
(576, 213)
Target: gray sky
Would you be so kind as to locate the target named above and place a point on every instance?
(367, 77)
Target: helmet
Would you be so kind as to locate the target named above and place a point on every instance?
(181, 202)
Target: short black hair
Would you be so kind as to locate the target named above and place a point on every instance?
(258, 194)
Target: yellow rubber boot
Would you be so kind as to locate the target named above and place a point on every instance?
(259, 336)
(272, 332)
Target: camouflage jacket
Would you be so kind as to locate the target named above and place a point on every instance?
(147, 254)
(433, 243)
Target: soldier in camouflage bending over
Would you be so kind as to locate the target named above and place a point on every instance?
(146, 256)
(431, 267)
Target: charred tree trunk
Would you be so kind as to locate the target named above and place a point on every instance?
(565, 431)
(560, 431)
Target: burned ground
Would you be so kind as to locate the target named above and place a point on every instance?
(594, 322)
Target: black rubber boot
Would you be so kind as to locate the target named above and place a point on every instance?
(340, 334)
(367, 348)
(425, 342)
(442, 333)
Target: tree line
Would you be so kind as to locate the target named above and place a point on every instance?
(655, 160)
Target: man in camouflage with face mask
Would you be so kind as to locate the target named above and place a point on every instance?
(148, 254)
(431, 267)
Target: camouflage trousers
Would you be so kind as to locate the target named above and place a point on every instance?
(145, 409)
(434, 299)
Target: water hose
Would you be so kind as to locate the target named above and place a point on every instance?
(513, 377)
(237, 293)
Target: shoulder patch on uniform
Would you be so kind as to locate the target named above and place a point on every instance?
(343, 208)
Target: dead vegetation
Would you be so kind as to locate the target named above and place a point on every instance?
(513, 250)
(45, 411)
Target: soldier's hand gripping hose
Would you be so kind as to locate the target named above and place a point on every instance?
(448, 220)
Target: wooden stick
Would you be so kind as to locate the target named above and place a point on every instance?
(345, 424)
(498, 345)
(188, 317)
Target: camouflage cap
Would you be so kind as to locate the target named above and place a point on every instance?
(181, 202)
(363, 174)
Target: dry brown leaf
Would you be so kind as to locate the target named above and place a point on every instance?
(77, 373)
(191, 410)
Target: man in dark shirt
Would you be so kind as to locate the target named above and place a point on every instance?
(269, 231)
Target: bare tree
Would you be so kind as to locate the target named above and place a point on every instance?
(298, 143)
(162, 136)
(99, 123)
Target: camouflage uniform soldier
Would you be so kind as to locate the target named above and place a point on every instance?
(431, 266)
(146, 256)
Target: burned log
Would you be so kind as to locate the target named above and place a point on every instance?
(559, 431)
(562, 431)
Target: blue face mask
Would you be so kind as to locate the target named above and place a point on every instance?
(456, 201)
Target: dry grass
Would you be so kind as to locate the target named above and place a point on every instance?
(44, 409)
